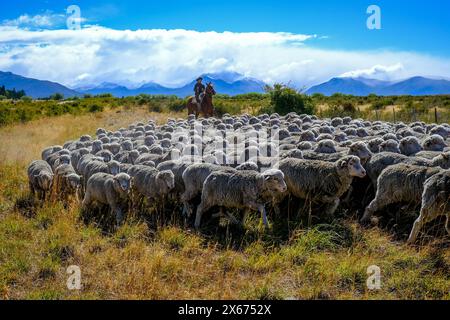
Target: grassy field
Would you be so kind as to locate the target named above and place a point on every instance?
(140, 261)
(398, 108)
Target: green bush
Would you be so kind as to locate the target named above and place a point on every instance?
(285, 99)
(177, 105)
(26, 98)
(3, 98)
(155, 107)
(222, 108)
(95, 108)
(56, 96)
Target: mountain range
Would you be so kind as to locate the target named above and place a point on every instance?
(415, 86)
(231, 83)
(224, 83)
(32, 87)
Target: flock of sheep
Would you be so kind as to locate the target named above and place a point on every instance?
(253, 163)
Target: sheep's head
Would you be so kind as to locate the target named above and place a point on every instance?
(410, 145)
(209, 158)
(249, 165)
(434, 143)
(143, 149)
(360, 150)
(85, 138)
(351, 166)
(64, 159)
(274, 180)
(326, 146)
(440, 130)
(374, 145)
(122, 183)
(113, 167)
(305, 145)
(308, 136)
(156, 149)
(83, 151)
(294, 153)
(97, 145)
(390, 146)
(149, 140)
(74, 181)
(442, 160)
(106, 155)
(166, 181)
(340, 137)
(127, 145)
(132, 156)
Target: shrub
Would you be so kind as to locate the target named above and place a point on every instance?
(155, 107)
(3, 98)
(26, 98)
(105, 95)
(222, 108)
(95, 108)
(285, 99)
(177, 105)
(56, 96)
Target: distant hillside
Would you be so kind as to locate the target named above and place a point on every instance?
(233, 85)
(33, 87)
(364, 87)
(230, 83)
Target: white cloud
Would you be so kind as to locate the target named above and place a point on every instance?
(45, 20)
(379, 72)
(173, 57)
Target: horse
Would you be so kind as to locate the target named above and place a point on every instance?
(206, 106)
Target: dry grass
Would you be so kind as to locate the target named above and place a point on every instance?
(22, 143)
(38, 243)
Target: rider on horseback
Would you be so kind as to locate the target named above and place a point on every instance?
(199, 90)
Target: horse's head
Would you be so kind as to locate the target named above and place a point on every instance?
(210, 89)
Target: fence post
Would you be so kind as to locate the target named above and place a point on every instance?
(435, 115)
(393, 111)
(376, 114)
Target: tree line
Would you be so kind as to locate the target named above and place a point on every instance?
(11, 94)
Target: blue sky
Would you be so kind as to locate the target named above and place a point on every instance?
(411, 31)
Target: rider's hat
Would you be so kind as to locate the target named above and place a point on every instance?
(199, 78)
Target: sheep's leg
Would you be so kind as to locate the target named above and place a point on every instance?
(200, 210)
(331, 207)
(447, 222)
(424, 217)
(228, 215)
(380, 201)
(119, 215)
(86, 201)
(348, 195)
(54, 190)
(32, 190)
(262, 209)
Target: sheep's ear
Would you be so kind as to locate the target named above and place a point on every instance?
(266, 177)
(343, 163)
